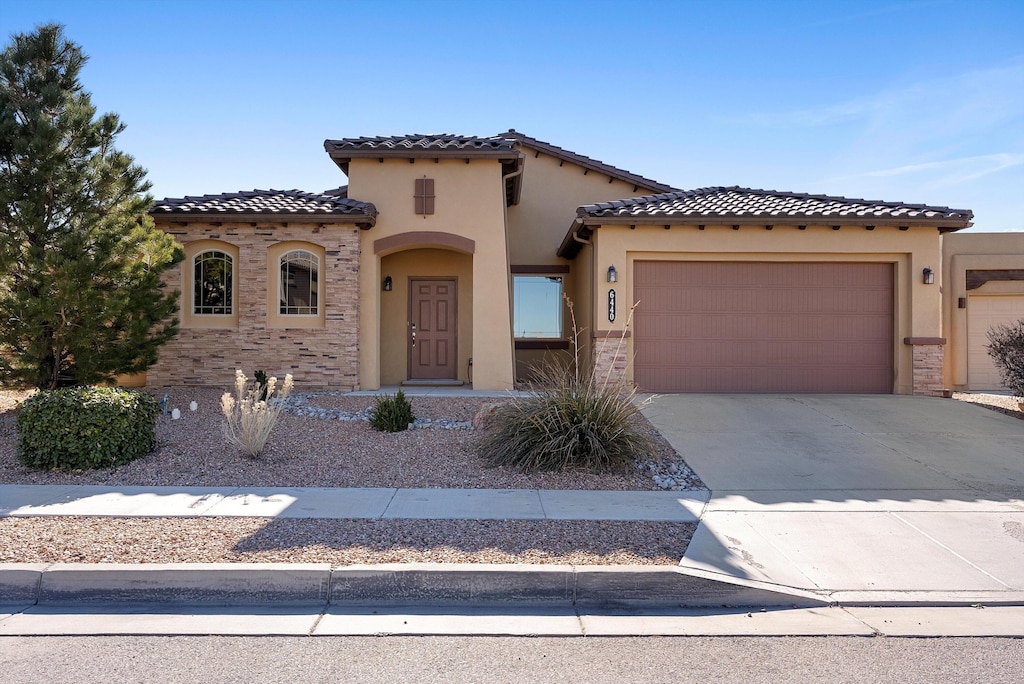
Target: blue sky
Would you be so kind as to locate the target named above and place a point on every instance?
(916, 101)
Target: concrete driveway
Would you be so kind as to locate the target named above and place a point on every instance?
(868, 499)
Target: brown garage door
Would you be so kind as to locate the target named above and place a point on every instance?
(763, 327)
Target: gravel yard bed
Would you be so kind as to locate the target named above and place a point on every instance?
(997, 402)
(339, 542)
(322, 441)
(312, 451)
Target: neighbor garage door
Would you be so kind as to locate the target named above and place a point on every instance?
(763, 327)
(983, 313)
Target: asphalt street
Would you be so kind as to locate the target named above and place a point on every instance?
(709, 660)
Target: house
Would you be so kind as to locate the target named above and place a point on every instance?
(983, 286)
(446, 258)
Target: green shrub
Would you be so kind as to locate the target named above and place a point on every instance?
(1006, 347)
(261, 383)
(566, 423)
(569, 420)
(392, 413)
(86, 427)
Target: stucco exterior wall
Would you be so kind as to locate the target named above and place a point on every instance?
(917, 307)
(469, 204)
(972, 251)
(320, 355)
(551, 192)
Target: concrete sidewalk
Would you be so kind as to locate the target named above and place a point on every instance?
(382, 503)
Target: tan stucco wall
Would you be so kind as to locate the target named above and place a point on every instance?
(550, 196)
(551, 192)
(969, 251)
(207, 352)
(470, 203)
(917, 307)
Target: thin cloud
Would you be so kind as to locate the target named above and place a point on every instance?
(949, 170)
(970, 99)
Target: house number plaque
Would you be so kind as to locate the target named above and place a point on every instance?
(611, 306)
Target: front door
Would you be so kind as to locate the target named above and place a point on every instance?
(432, 311)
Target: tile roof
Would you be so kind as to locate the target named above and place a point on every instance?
(291, 203)
(735, 205)
(439, 142)
(455, 145)
(586, 162)
(748, 203)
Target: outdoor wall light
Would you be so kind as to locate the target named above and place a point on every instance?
(612, 275)
(388, 284)
(929, 276)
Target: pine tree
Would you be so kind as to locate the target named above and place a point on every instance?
(81, 292)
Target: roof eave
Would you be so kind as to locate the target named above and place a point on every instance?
(573, 241)
(363, 221)
(341, 156)
(944, 224)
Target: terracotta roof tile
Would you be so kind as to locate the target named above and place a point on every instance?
(269, 202)
(747, 203)
(439, 142)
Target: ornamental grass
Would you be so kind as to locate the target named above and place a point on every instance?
(250, 415)
(569, 419)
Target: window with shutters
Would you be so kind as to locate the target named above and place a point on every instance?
(424, 196)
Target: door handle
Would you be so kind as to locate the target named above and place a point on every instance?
(413, 326)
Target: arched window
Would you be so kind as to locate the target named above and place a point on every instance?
(299, 283)
(212, 282)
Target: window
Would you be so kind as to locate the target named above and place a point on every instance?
(211, 293)
(538, 307)
(299, 283)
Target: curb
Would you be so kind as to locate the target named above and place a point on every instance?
(290, 585)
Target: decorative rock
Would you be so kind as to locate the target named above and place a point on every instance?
(484, 415)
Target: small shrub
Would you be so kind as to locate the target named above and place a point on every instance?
(1006, 347)
(261, 383)
(569, 420)
(248, 419)
(86, 427)
(392, 413)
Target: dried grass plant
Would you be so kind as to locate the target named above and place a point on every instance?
(249, 419)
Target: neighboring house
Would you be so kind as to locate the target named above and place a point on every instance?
(446, 259)
(983, 286)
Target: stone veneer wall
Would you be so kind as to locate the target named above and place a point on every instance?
(318, 358)
(928, 369)
(610, 359)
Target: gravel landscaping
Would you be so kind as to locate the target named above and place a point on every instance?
(1003, 403)
(324, 441)
(339, 542)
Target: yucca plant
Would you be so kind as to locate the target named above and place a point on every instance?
(570, 419)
